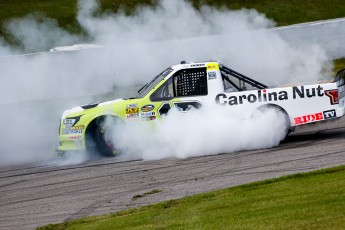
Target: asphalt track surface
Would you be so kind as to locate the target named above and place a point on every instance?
(32, 196)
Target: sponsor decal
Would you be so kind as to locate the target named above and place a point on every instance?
(132, 115)
(147, 114)
(72, 131)
(78, 127)
(302, 92)
(333, 96)
(269, 95)
(197, 65)
(212, 75)
(147, 108)
(148, 118)
(329, 114)
(74, 138)
(132, 110)
(68, 121)
(132, 106)
(212, 66)
(308, 118)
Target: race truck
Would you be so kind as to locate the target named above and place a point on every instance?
(196, 85)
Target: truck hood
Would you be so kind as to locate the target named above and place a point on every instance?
(80, 109)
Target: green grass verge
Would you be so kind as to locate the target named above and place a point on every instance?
(287, 12)
(284, 12)
(63, 11)
(314, 200)
(338, 65)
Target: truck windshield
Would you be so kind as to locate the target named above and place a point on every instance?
(150, 85)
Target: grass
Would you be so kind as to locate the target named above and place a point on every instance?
(338, 65)
(284, 12)
(287, 12)
(314, 200)
(64, 11)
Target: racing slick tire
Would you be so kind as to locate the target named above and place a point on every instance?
(102, 136)
(287, 124)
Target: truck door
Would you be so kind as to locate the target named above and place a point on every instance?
(184, 90)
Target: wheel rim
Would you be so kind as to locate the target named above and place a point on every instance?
(107, 137)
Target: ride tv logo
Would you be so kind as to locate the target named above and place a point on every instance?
(329, 114)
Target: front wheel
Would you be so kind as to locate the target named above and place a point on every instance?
(104, 137)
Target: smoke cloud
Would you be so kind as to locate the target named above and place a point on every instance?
(237, 38)
(38, 33)
(35, 89)
(199, 132)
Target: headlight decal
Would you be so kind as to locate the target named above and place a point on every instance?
(71, 121)
(69, 126)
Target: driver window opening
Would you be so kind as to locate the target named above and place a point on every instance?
(164, 92)
(186, 82)
(191, 82)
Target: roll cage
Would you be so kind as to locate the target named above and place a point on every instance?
(233, 81)
(230, 78)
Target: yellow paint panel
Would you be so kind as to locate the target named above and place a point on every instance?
(212, 66)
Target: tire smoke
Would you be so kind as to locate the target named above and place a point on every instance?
(36, 88)
(199, 132)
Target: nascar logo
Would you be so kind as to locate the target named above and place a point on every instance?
(147, 108)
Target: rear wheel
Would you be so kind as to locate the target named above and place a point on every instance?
(103, 136)
(284, 115)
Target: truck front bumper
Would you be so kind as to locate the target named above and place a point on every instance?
(71, 143)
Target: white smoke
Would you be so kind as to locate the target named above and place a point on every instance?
(199, 132)
(36, 89)
(4, 50)
(38, 33)
(175, 31)
(168, 21)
